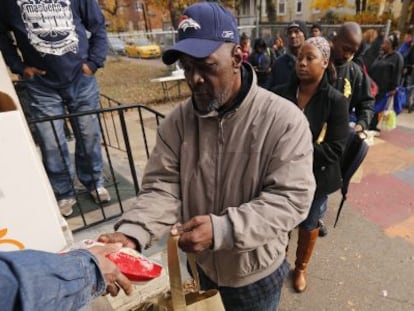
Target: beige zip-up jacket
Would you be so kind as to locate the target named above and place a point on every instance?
(250, 170)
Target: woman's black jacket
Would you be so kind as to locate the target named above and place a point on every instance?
(327, 106)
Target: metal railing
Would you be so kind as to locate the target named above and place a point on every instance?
(128, 134)
(113, 140)
(122, 153)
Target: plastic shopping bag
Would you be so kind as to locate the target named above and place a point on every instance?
(388, 118)
(400, 98)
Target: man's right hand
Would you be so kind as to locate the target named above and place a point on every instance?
(118, 237)
(29, 72)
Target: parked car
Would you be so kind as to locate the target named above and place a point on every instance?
(143, 48)
(116, 46)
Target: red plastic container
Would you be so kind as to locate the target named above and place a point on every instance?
(136, 267)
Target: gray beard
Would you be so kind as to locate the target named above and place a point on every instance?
(213, 105)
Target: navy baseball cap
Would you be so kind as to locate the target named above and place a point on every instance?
(202, 29)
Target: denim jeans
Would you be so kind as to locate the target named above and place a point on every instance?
(81, 95)
(323, 209)
(263, 295)
(311, 222)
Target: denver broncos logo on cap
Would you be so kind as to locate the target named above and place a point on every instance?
(228, 34)
(187, 22)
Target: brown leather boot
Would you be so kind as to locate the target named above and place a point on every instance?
(306, 241)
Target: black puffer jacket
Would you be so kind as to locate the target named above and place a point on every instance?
(282, 70)
(386, 71)
(327, 106)
(354, 84)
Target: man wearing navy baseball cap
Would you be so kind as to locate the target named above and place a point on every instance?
(232, 164)
(202, 29)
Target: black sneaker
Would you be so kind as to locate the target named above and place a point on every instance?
(323, 230)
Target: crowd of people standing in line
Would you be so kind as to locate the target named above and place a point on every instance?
(357, 72)
(387, 62)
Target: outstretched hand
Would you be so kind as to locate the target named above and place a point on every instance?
(113, 277)
(196, 235)
(117, 237)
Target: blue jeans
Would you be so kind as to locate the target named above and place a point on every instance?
(318, 205)
(81, 95)
(263, 295)
(323, 209)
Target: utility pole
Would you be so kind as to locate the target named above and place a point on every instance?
(146, 18)
(256, 10)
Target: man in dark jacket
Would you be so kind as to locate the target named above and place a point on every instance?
(350, 79)
(284, 66)
(407, 51)
(58, 61)
(352, 82)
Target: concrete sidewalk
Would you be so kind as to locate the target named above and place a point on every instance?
(367, 261)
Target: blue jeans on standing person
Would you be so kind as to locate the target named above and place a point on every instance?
(318, 205)
(81, 95)
(323, 209)
(262, 295)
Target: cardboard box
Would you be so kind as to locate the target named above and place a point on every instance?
(29, 216)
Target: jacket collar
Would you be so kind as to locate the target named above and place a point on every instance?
(249, 83)
(294, 84)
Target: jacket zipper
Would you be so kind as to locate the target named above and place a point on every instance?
(220, 143)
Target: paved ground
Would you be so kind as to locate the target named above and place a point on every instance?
(367, 261)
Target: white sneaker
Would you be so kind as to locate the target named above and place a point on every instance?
(102, 196)
(66, 206)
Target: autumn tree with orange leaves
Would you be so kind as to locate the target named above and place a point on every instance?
(328, 4)
(176, 7)
(360, 5)
(366, 11)
(111, 10)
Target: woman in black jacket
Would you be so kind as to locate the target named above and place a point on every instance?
(327, 112)
(386, 71)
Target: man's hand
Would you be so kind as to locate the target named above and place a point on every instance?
(117, 237)
(113, 277)
(358, 128)
(196, 235)
(29, 72)
(86, 70)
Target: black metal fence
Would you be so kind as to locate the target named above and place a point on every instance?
(166, 38)
(128, 134)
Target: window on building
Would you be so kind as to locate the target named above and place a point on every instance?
(299, 6)
(281, 7)
(245, 7)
